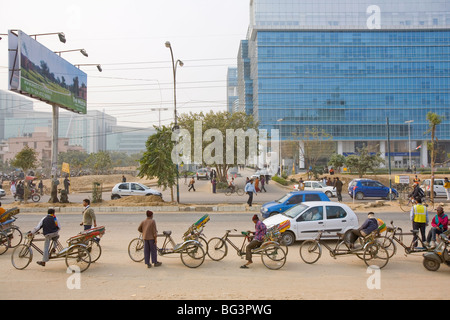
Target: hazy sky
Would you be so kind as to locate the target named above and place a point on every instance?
(127, 38)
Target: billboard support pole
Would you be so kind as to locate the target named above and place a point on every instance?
(54, 164)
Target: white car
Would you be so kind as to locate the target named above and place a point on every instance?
(310, 217)
(318, 186)
(2, 193)
(203, 174)
(438, 187)
(132, 189)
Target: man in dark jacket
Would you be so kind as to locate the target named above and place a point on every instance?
(370, 225)
(50, 228)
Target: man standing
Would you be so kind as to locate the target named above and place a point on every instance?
(149, 235)
(250, 190)
(447, 188)
(88, 215)
(338, 186)
(51, 227)
(260, 232)
(419, 218)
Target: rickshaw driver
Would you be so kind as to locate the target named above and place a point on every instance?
(50, 226)
(260, 232)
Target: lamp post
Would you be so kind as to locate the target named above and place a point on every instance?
(281, 159)
(83, 52)
(174, 68)
(99, 67)
(409, 140)
(159, 111)
(61, 36)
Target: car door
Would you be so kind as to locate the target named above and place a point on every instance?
(316, 186)
(438, 188)
(137, 190)
(380, 190)
(337, 219)
(123, 189)
(309, 222)
(292, 201)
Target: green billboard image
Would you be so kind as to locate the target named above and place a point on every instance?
(46, 76)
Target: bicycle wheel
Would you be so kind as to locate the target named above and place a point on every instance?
(78, 258)
(240, 192)
(3, 243)
(429, 203)
(136, 250)
(14, 237)
(217, 249)
(405, 204)
(193, 255)
(228, 192)
(388, 244)
(310, 251)
(273, 257)
(95, 250)
(375, 255)
(35, 197)
(21, 257)
(204, 243)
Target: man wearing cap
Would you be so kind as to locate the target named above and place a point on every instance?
(50, 228)
(149, 235)
(260, 232)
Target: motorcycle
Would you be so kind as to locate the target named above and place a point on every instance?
(433, 260)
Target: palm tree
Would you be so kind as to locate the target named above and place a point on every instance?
(433, 120)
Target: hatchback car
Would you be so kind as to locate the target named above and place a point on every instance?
(2, 193)
(132, 189)
(289, 200)
(202, 174)
(438, 187)
(318, 186)
(308, 218)
(366, 188)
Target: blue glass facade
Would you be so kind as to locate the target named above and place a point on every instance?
(345, 66)
(349, 82)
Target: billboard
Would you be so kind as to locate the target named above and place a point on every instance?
(39, 73)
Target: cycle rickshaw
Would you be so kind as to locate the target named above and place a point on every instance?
(369, 249)
(77, 255)
(272, 254)
(10, 234)
(191, 249)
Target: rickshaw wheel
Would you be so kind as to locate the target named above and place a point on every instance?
(78, 259)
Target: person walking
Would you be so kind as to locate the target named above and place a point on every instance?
(214, 184)
(88, 215)
(447, 187)
(419, 218)
(338, 186)
(191, 184)
(439, 224)
(263, 182)
(150, 236)
(250, 190)
(51, 228)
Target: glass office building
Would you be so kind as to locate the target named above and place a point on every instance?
(345, 67)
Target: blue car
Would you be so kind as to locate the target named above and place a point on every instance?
(289, 200)
(367, 188)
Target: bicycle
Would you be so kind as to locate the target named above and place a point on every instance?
(10, 235)
(272, 255)
(74, 255)
(230, 190)
(370, 251)
(195, 232)
(91, 239)
(191, 252)
(396, 234)
(407, 204)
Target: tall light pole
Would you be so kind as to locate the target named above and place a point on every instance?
(409, 140)
(281, 159)
(175, 127)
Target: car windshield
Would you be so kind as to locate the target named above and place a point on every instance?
(284, 198)
(294, 211)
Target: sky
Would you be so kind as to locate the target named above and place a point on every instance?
(127, 38)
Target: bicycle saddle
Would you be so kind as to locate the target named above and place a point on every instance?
(167, 233)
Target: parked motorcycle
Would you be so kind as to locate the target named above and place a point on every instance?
(433, 260)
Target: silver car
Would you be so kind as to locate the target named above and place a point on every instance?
(132, 189)
(2, 193)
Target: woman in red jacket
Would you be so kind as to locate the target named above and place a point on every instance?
(439, 225)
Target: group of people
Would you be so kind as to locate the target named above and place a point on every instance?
(420, 220)
(51, 226)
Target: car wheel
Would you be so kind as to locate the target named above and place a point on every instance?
(359, 196)
(288, 238)
(115, 197)
(329, 194)
(391, 196)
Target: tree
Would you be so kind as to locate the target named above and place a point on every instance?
(26, 159)
(214, 149)
(337, 161)
(157, 159)
(433, 121)
(99, 162)
(364, 161)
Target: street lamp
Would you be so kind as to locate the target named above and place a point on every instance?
(159, 111)
(174, 68)
(99, 67)
(281, 159)
(61, 36)
(83, 52)
(409, 140)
